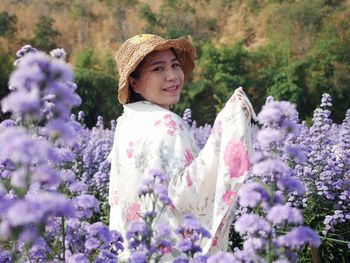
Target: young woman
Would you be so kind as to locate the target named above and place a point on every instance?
(149, 136)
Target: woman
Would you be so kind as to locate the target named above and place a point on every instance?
(149, 136)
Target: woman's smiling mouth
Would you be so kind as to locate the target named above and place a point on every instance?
(172, 89)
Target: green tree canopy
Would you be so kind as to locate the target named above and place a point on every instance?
(45, 34)
(7, 24)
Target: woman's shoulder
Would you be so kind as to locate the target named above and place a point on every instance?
(154, 120)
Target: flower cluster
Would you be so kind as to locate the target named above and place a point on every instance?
(271, 228)
(54, 182)
(191, 234)
(149, 240)
(46, 211)
(200, 133)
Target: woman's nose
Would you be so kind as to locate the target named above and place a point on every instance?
(171, 75)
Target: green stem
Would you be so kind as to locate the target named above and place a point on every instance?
(14, 254)
(27, 254)
(269, 250)
(63, 238)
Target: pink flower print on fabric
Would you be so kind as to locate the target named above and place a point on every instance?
(236, 158)
(233, 99)
(170, 124)
(115, 198)
(217, 128)
(156, 123)
(215, 241)
(130, 150)
(188, 180)
(188, 157)
(133, 212)
(228, 197)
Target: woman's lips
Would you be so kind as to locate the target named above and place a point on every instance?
(172, 89)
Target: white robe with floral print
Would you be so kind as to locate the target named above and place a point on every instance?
(203, 183)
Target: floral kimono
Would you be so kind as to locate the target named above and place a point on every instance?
(203, 183)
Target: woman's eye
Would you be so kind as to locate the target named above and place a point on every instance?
(158, 69)
(176, 65)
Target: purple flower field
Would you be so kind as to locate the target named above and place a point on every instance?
(54, 177)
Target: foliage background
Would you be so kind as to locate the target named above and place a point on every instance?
(293, 50)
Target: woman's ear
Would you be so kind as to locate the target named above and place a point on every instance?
(133, 83)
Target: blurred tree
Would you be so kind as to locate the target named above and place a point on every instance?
(7, 24)
(82, 12)
(97, 86)
(219, 72)
(6, 66)
(120, 10)
(166, 21)
(44, 38)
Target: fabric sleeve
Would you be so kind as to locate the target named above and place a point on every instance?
(112, 177)
(207, 186)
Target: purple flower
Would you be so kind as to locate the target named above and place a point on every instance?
(290, 184)
(138, 229)
(275, 112)
(271, 166)
(201, 133)
(81, 116)
(45, 175)
(269, 135)
(299, 237)
(78, 187)
(181, 260)
(101, 230)
(192, 226)
(58, 53)
(17, 145)
(200, 259)
(146, 187)
(296, 153)
(254, 244)
(92, 243)
(187, 116)
(40, 89)
(25, 50)
(187, 246)
(158, 174)
(252, 224)
(7, 123)
(78, 258)
(326, 100)
(163, 230)
(270, 114)
(138, 257)
(251, 194)
(5, 256)
(281, 214)
(221, 257)
(37, 208)
(281, 261)
(22, 52)
(105, 256)
(85, 204)
(60, 129)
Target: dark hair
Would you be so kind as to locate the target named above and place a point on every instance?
(133, 96)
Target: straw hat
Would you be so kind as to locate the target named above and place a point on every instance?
(135, 49)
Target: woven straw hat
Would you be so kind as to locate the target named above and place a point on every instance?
(135, 49)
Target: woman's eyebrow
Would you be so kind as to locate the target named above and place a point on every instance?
(162, 62)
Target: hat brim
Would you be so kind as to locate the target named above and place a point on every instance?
(184, 51)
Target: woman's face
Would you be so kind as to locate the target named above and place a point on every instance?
(161, 78)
